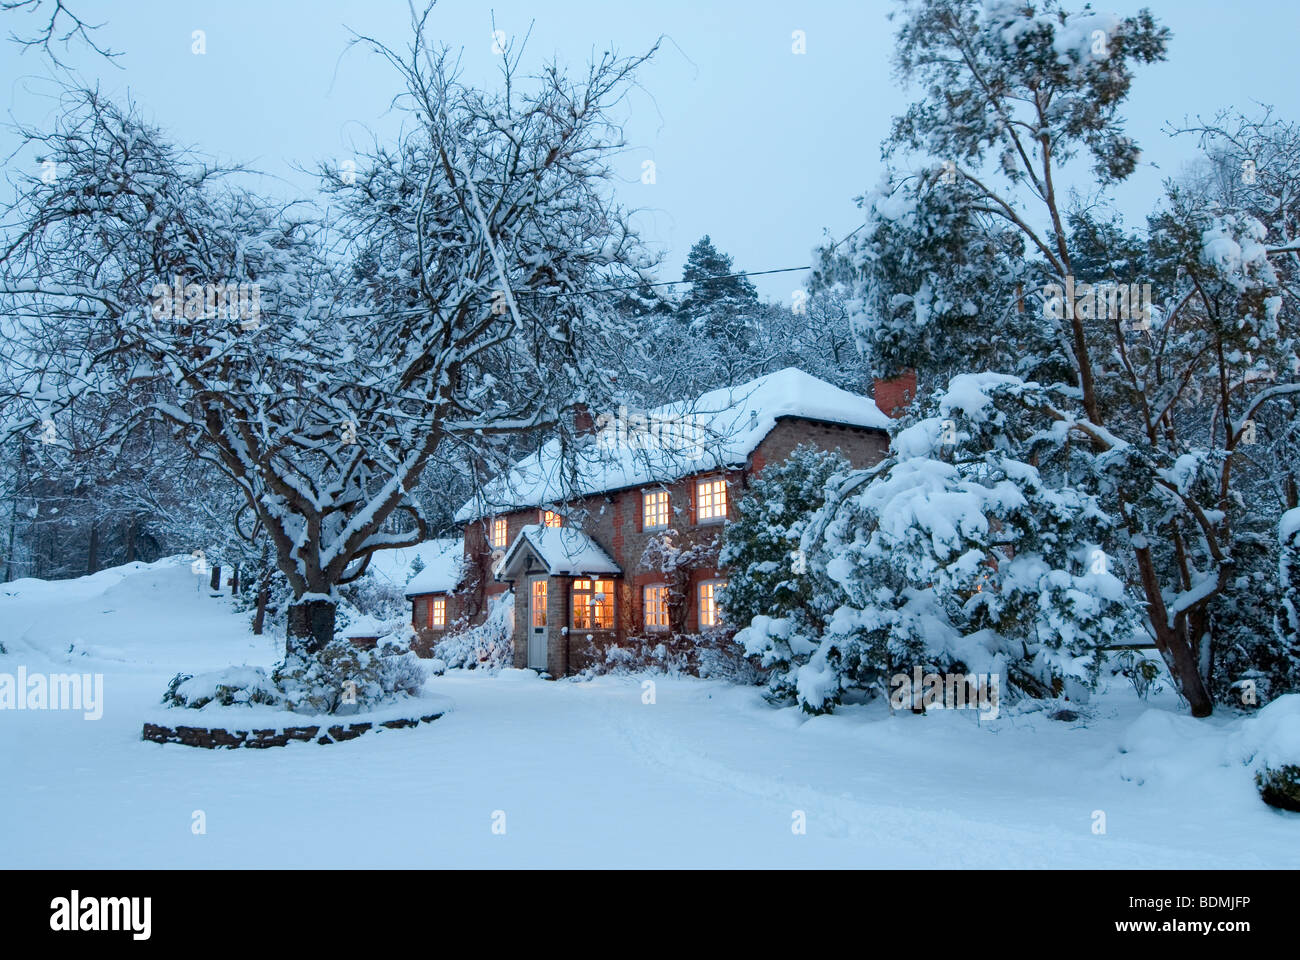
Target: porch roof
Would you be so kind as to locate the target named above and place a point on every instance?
(563, 551)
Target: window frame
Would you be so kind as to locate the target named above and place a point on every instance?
(661, 603)
(721, 487)
(536, 610)
(589, 592)
(717, 583)
(493, 542)
(667, 506)
(432, 603)
(542, 514)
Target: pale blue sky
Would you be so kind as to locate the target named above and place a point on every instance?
(759, 147)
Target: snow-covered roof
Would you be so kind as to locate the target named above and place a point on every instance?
(564, 551)
(444, 565)
(720, 428)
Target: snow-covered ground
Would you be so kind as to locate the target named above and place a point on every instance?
(586, 773)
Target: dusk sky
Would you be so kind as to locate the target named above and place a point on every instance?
(762, 148)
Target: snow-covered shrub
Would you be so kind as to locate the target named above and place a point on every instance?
(487, 646)
(229, 687)
(343, 675)
(712, 655)
(1270, 742)
(1280, 787)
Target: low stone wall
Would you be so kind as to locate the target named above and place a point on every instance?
(214, 738)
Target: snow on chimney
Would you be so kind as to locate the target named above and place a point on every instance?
(893, 396)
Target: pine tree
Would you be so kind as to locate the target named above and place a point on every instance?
(718, 303)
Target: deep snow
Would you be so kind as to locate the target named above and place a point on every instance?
(586, 773)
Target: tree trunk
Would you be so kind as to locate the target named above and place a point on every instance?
(92, 550)
(130, 539)
(234, 580)
(311, 626)
(215, 581)
(9, 552)
(263, 593)
(1173, 644)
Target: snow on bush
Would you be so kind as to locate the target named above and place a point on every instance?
(1161, 746)
(713, 655)
(343, 677)
(1270, 742)
(487, 646)
(229, 687)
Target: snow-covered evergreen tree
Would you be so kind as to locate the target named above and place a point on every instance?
(970, 549)
(770, 576)
(1287, 621)
(1157, 387)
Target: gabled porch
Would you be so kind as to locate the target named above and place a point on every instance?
(565, 587)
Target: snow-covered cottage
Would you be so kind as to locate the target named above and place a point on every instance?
(570, 537)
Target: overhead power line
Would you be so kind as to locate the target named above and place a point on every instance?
(415, 311)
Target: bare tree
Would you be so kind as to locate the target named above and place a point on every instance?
(62, 27)
(432, 317)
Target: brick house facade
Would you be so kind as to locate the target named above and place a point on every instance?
(595, 554)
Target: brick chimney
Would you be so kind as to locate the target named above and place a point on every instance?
(893, 396)
(583, 423)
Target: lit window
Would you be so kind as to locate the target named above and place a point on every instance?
(710, 500)
(593, 604)
(498, 537)
(437, 613)
(710, 615)
(656, 607)
(654, 509)
(539, 603)
(550, 518)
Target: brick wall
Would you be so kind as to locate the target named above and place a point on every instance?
(862, 448)
(893, 396)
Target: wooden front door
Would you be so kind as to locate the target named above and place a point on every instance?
(537, 623)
